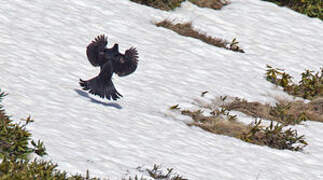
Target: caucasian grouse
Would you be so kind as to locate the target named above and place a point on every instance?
(110, 61)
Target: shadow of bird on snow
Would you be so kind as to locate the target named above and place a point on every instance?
(84, 94)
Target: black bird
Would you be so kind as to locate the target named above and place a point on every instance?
(110, 61)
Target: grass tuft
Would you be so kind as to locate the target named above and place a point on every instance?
(186, 29)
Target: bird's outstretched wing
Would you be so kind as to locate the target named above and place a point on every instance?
(102, 84)
(127, 63)
(95, 50)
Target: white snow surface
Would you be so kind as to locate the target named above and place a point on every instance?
(42, 57)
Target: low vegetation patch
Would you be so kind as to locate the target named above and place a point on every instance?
(37, 169)
(274, 136)
(172, 4)
(285, 112)
(213, 4)
(220, 121)
(309, 87)
(161, 4)
(186, 29)
(14, 138)
(312, 8)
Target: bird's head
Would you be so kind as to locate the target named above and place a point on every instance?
(111, 53)
(115, 48)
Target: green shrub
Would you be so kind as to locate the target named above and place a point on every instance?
(274, 136)
(312, 8)
(15, 150)
(37, 169)
(14, 138)
(309, 87)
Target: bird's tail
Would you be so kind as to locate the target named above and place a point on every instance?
(101, 88)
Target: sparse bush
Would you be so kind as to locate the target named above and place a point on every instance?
(309, 87)
(186, 29)
(312, 8)
(157, 173)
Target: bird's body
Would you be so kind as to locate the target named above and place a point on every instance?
(110, 61)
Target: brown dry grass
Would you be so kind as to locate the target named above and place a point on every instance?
(168, 5)
(286, 112)
(165, 5)
(186, 29)
(216, 124)
(213, 4)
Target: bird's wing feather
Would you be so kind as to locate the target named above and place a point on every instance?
(95, 50)
(130, 62)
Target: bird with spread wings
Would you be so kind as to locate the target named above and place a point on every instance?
(110, 61)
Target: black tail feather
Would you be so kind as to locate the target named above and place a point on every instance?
(100, 88)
